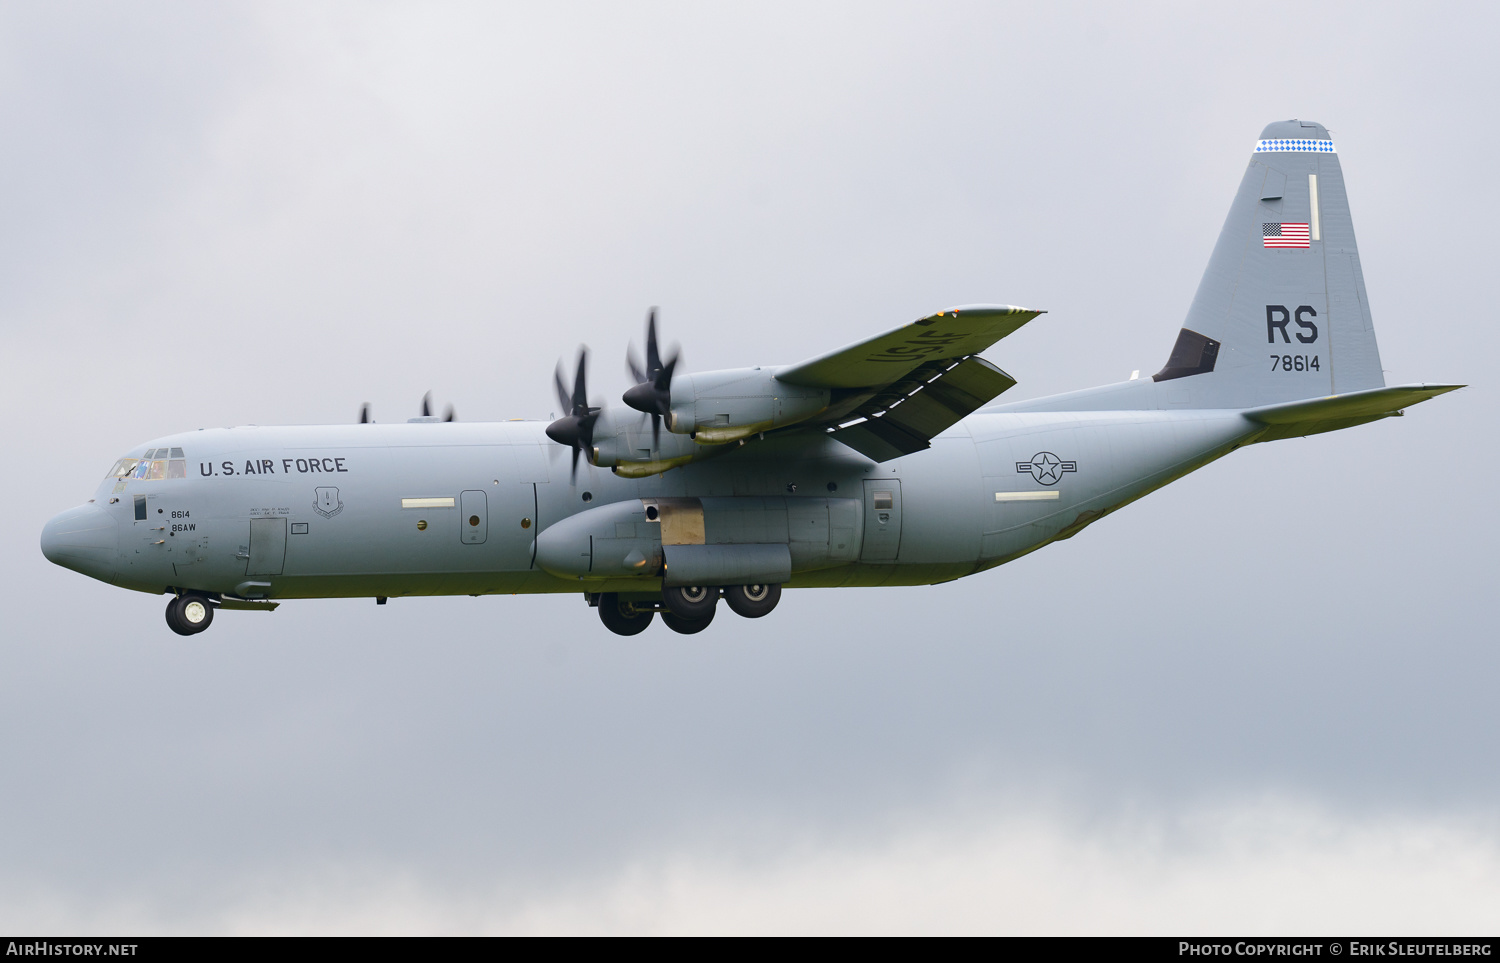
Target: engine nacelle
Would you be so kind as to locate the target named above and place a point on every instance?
(623, 441)
(718, 407)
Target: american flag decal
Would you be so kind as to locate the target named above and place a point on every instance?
(1285, 235)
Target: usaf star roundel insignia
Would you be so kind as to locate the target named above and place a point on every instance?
(1046, 467)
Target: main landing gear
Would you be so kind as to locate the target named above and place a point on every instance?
(624, 618)
(189, 614)
(752, 601)
(686, 609)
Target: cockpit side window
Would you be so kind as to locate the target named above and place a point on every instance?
(154, 465)
(124, 468)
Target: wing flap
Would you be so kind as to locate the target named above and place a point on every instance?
(886, 358)
(906, 418)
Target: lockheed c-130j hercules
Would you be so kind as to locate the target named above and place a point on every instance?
(887, 462)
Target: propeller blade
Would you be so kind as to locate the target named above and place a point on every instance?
(653, 356)
(427, 405)
(562, 389)
(573, 472)
(580, 383)
(632, 367)
(364, 413)
(450, 415)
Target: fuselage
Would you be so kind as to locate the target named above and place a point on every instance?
(884, 462)
(457, 508)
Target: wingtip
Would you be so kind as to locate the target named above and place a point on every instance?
(961, 309)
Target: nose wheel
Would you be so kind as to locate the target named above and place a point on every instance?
(189, 614)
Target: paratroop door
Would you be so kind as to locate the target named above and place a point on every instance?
(267, 546)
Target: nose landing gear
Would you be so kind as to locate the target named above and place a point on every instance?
(189, 614)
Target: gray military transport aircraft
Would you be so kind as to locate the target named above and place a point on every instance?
(886, 462)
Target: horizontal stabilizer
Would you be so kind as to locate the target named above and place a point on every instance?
(1297, 418)
(886, 358)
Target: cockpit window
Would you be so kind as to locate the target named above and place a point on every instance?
(157, 464)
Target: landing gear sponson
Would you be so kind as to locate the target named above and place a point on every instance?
(686, 609)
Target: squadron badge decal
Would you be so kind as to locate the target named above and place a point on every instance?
(327, 503)
(1046, 467)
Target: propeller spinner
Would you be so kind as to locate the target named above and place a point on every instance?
(652, 392)
(576, 428)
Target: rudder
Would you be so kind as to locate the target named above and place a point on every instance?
(1281, 313)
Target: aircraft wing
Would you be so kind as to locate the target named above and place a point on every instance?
(896, 391)
(881, 360)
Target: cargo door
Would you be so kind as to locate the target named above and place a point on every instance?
(267, 546)
(882, 520)
(475, 518)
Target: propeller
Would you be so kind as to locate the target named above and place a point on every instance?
(576, 428)
(652, 392)
(448, 415)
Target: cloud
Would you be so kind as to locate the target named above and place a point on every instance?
(1273, 866)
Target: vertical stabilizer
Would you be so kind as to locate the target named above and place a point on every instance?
(1281, 312)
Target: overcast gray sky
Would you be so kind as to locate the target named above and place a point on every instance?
(1260, 700)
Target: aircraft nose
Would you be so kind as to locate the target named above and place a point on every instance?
(85, 539)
